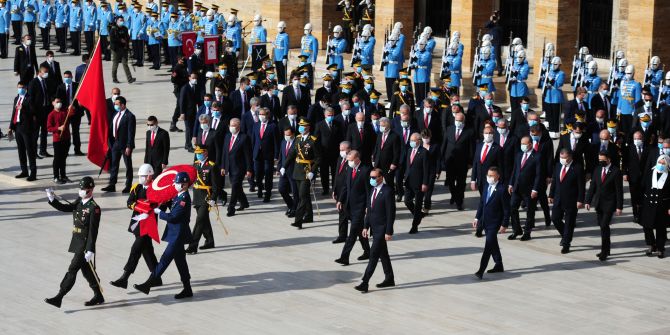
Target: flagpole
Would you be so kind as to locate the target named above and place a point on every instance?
(67, 116)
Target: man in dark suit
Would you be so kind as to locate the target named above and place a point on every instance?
(290, 120)
(344, 118)
(121, 142)
(270, 100)
(543, 145)
(487, 154)
(116, 92)
(519, 122)
(602, 101)
(577, 143)
(241, 98)
(387, 151)
(25, 60)
(327, 92)
(66, 91)
(352, 200)
(288, 188)
(206, 137)
(235, 160)
(157, 146)
(598, 124)
(39, 97)
(329, 135)
(404, 126)
(189, 99)
(297, 95)
(493, 215)
(417, 177)
(205, 108)
(315, 113)
(647, 126)
(634, 158)
(606, 196)
(378, 223)
(484, 113)
(265, 141)
(55, 76)
(362, 138)
(509, 144)
(577, 106)
(21, 126)
(566, 195)
(457, 151)
(339, 183)
(430, 118)
(523, 186)
(604, 144)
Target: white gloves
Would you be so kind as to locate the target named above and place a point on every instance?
(313, 65)
(310, 175)
(209, 74)
(157, 210)
(211, 203)
(282, 171)
(140, 217)
(50, 194)
(284, 61)
(88, 256)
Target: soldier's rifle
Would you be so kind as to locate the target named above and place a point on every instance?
(412, 51)
(660, 90)
(647, 71)
(546, 81)
(543, 69)
(475, 61)
(611, 72)
(575, 68)
(329, 47)
(357, 48)
(386, 50)
(445, 65)
(510, 57)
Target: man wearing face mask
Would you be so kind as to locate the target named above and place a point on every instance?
(339, 183)
(220, 80)
(417, 178)
(656, 207)
(553, 96)
(579, 105)
(602, 100)
(290, 120)
(196, 64)
(189, 99)
(204, 198)
(330, 135)
(86, 215)
(429, 117)
(648, 126)
(567, 196)
(493, 215)
(206, 137)
(362, 138)
(509, 144)
(606, 144)
(235, 160)
(402, 97)
(287, 186)
(634, 159)
(523, 186)
(121, 143)
(39, 97)
(22, 127)
(316, 110)
(351, 200)
(204, 109)
(25, 60)
(457, 150)
(484, 112)
(120, 45)
(404, 126)
(142, 246)
(297, 95)
(646, 106)
(270, 100)
(544, 146)
(487, 154)
(76, 17)
(157, 146)
(56, 124)
(155, 32)
(596, 125)
(387, 151)
(55, 77)
(577, 143)
(281, 48)
(328, 91)
(265, 142)
(606, 195)
(518, 122)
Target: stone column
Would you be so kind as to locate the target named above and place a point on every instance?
(555, 21)
(469, 17)
(390, 12)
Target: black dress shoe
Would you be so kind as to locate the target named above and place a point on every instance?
(565, 249)
(513, 236)
(116, 81)
(339, 240)
(96, 300)
(224, 196)
(191, 250)
(479, 275)
(661, 254)
(602, 256)
(125, 190)
(38, 156)
(31, 178)
(230, 213)
(266, 199)
(398, 198)
(79, 153)
(144, 287)
(46, 154)
(207, 246)
(109, 188)
(297, 225)
(175, 129)
(525, 237)
(259, 194)
(21, 175)
(291, 214)
(55, 301)
(479, 234)
(131, 80)
(310, 220)
(185, 293)
(386, 283)
(496, 269)
(363, 257)
(414, 230)
(363, 287)
(342, 261)
(121, 282)
(459, 207)
(650, 252)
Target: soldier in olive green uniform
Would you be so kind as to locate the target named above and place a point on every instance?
(86, 215)
(307, 156)
(204, 197)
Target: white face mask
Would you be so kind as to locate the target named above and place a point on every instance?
(491, 180)
(58, 105)
(488, 138)
(232, 130)
(647, 103)
(577, 135)
(204, 126)
(502, 131)
(287, 138)
(177, 187)
(152, 128)
(45, 75)
(425, 140)
(638, 143)
(458, 124)
(564, 161)
(345, 112)
(296, 83)
(143, 180)
(292, 117)
(197, 52)
(114, 96)
(29, 42)
(351, 164)
(326, 84)
(359, 124)
(83, 193)
(343, 154)
(427, 110)
(193, 81)
(262, 118)
(600, 120)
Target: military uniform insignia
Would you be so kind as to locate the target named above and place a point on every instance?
(182, 203)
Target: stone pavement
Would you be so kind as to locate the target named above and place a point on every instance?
(269, 278)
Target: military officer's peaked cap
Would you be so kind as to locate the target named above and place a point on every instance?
(403, 81)
(611, 124)
(375, 94)
(303, 122)
(332, 67)
(86, 182)
(199, 150)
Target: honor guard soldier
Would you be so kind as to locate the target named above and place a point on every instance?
(258, 33)
(615, 79)
(151, 5)
(234, 34)
(174, 38)
(578, 65)
(553, 96)
(75, 23)
(629, 94)
(185, 18)
(422, 65)
(392, 61)
(280, 52)
(16, 11)
(591, 81)
(204, 199)
(336, 48)
(486, 67)
(5, 19)
(209, 25)
(176, 234)
(367, 45)
(517, 78)
(165, 13)
(47, 11)
(653, 76)
(430, 40)
(105, 19)
(86, 214)
(307, 156)
(664, 98)
(309, 45)
(456, 38)
(348, 17)
(29, 16)
(376, 106)
(155, 34)
(90, 13)
(402, 97)
(452, 68)
(306, 69)
(137, 32)
(142, 247)
(335, 75)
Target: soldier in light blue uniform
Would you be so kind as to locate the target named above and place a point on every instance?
(174, 38)
(258, 34)
(152, 5)
(280, 52)
(17, 7)
(309, 45)
(185, 18)
(5, 21)
(337, 47)
(653, 76)
(47, 14)
(208, 26)
(234, 34)
(518, 77)
(430, 40)
(90, 24)
(591, 81)
(397, 30)
(617, 77)
(367, 45)
(665, 93)
(422, 65)
(30, 16)
(452, 64)
(456, 38)
(629, 95)
(61, 22)
(105, 18)
(487, 66)
(155, 33)
(166, 10)
(553, 98)
(137, 31)
(120, 6)
(75, 24)
(393, 58)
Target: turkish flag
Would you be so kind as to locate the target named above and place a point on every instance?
(148, 226)
(188, 43)
(161, 189)
(211, 49)
(91, 95)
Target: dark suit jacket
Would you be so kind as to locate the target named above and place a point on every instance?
(288, 98)
(158, 153)
(55, 76)
(607, 195)
(380, 214)
(25, 117)
(61, 93)
(479, 168)
(283, 153)
(238, 107)
(315, 113)
(598, 103)
(481, 116)
(581, 151)
(37, 96)
(274, 105)
(344, 122)
(458, 153)
(321, 91)
(355, 190)
(570, 191)
(266, 148)
(237, 160)
(364, 145)
(573, 108)
(210, 143)
(613, 151)
(509, 151)
(493, 213)
(340, 177)
(434, 125)
(633, 164)
(26, 68)
(125, 138)
(527, 178)
(417, 172)
(329, 138)
(389, 154)
(188, 100)
(247, 123)
(285, 123)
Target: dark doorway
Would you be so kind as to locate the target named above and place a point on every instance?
(514, 18)
(433, 13)
(595, 27)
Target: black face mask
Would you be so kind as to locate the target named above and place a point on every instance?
(603, 163)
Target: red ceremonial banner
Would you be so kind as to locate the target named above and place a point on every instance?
(161, 190)
(211, 49)
(148, 226)
(188, 39)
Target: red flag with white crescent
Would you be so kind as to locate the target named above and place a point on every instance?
(161, 190)
(188, 43)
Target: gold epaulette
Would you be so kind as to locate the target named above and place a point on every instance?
(312, 137)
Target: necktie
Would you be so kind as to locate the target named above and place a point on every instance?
(563, 172)
(116, 124)
(18, 110)
(341, 166)
(490, 111)
(425, 120)
(44, 93)
(639, 152)
(411, 158)
(232, 140)
(383, 140)
(523, 161)
(153, 138)
(485, 151)
(581, 106)
(502, 141)
(572, 144)
(536, 146)
(602, 177)
(262, 130)
(204, 137)
(374, 196)
(288, 145)
(293, 124)
(215, 123)
(353, 174)
(404, 135)
(244, 100)
(360, 132)
(458, 134)
(69, 94)
(488, 194)
(297, 94)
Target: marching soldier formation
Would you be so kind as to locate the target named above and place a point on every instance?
(368, 155)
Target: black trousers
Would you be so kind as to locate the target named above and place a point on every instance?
(17, 28)
(544, 204)
(42, 134)
(104, 44)
(379, 251)
(400, 180)
(626, 123)
(264, 172)
(327, 169)
(174, 52)
(177, 111)
(280, 69)
(553, 116)
(155, 54)
(114, 167)
(46, 38)
(189, 122)
(31, 30)
(203, 226)
(604, 219)
(75, 123)
(236, 193)
(635, 196)
(78, 263)
(288, 189)
(166, 53)
(138, 51)
(657, 241)
(142, 248)
(455, 179)
(515, 102)
(4, 41)
(420, 92)
(25, 143)
(343, 223)
(61, 39)
(389, 89)
(428, 196)
(61, 149)
(304, 210)
(515, 203)
(89, 39)
(414, 201)
(355, 232)
(491, 249)
(567, 228)
(75, 37)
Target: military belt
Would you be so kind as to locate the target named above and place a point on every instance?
(485, 77)
(76, 230)
(421, 67)
(303, 161)
(456, 72)
(202, 187)
(393, 62)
